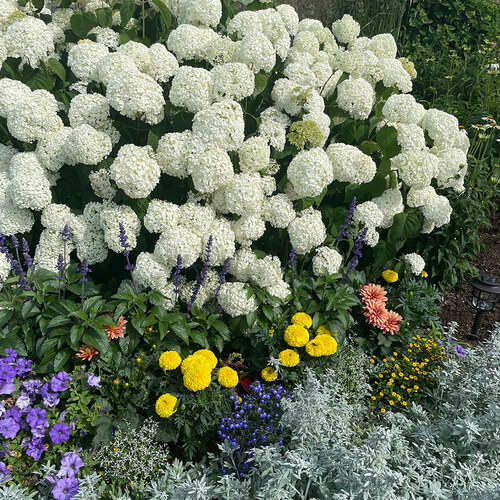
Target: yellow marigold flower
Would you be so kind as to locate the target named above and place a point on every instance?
(302, 319)
(322, 330)
(209, 356)
(169, 360)
(227, 377)
(195, 361)
(289, 357)
(322, 345)
(269, 374)
(390, 276)
(423, 274)
(197, 379)
(296, 336)
(165, 405)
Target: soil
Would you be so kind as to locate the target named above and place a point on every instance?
(457, 305)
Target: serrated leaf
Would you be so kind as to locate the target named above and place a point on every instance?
(58, 321)
(181, 331)
(223, 329)
(127, 11)
(60, 360)
(82, 23)
(198, 338)
(104, 17)
(405, 225)
(387, 141)
(368, 147)
(383, 253)
(97, 339)
(75, 334)
(57, 68)
(260, 84)
(165, 13)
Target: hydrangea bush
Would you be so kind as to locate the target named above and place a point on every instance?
(192, 122)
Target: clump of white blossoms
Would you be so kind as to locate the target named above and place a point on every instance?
(414, 263)
(212, 131)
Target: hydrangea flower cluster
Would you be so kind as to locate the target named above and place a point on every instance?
(255, 421)
(234, 168)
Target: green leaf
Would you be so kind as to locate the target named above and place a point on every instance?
(198, 338)
(57, 68)
(368, 147)
(181, 331)
(58, 321)
(83, 22)
(97, 339)
(5, 315)
(60, 360)
(153, 140)
(104, 17)
(383, 253)
(165, 13)
(41, 81)
(268, 312)
(38, 4)
(75, 334)
(405, 225)
(260, 84)
(387, 141)
(223, 329)
(127, 11)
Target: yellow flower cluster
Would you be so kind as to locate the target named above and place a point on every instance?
(403, 374)
(321, 345)
(165, 405)
(227, 377)
(169, 360)
(296, 336)
(289, 357)
(302, 319)
(390, 276)
(269, 374)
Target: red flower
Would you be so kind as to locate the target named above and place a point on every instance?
(116, 332)
(87, 352)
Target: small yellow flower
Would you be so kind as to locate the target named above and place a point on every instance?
(391, 402)
(372, 360)
(423, 274)
(390, 276)
(269, 374)
(374, 398)
(404, 403)
(322, 330)
(382, 410)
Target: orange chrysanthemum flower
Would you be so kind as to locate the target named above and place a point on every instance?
(87, 352)
(376, 313)
(118, 331)
(373, 292)
(392, 323)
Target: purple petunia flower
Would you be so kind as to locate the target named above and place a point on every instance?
(59, 433)
(59, 382)
(7, 372)
(50, 398)
(23, 401)
(11, 355)
(65, 488)
(459, 351)
(37, 420)
(35, 449)
(71, 463)
(93, 380)
(7, 386)
(23, 367)
(4, 472)
(31, 387)
(9, 424)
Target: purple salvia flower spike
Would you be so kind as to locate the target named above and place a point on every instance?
(26, 254)
(203, 275)
(347, 221)
(66, 235)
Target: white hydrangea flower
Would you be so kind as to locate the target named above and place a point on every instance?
(30, 39)
(310, 172)
(369, 214)
(234, 301)
(197, 218)
(254, 154)
(92, 245)
(105, 36)
(168, 298)
(56, 215)
(244, 23)
(326, 260)
(358, 63)
(191, 89)
(190, 42)
(390, 203)
(414, 263)
(384, 46)
(372, 236)
(91, 109)
(403, 108)
(418, 197)
(322, 120)
(452, 167)
(210, 167)
(176, 241)
(346, 29)
(461, 141)
(62, 18)
(100, 181)
(300, 74)
(416, 168)
(392, 73)
(427, 227)
(87, 145)
(51, 151)
(15, 220)
(12, 92)
(307, 231)
(244, 195)
(350, 164)
(274, 132)
(248, 228)
(306, 41)
(149, 272)
(135, 170)
(221, 50)
(29, 187)
(290, 18)
(173, 152)
(265, 272)
(221, 124)
(223, 241)
(268, 183)
(285, 95)
(3, 51)
(205, 292)
(200, 12)
(410, 136)
(280, 289)
(256, 51)
(4, 267)
(113, 65)
(35, 117)
(161, 215)
(50, 246)
(438, 211)
(232, 81)
(163, 65)
(136, 95)
(357, 97)
(440, 126)
(111, 217)
(137, 52)
(278, 211)
(7, 7)
(240, 263)
(274, 28)
(84, 57)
